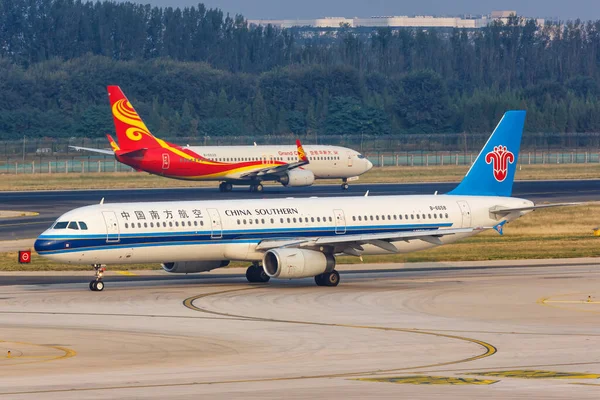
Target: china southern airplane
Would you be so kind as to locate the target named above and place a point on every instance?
(231, 165)
(292, 238)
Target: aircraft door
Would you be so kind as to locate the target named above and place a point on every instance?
(340, 222)
(349, 159)
(466, 213)
(112, 227)
(215, 224)
(166, 162)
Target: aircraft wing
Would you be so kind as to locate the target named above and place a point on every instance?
(280, 169)
(353, 243)
(101, 151)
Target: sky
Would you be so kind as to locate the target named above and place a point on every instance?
(292, 9)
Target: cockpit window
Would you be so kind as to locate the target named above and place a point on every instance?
(60, 225)
(82, 225)
(360, 156)
(73, 225)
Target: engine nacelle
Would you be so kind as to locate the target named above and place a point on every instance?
(297, 177)
(296, 263)
(190, 267)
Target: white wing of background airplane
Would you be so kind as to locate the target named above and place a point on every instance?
(280, 169)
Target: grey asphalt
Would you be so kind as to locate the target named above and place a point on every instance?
(51, 204)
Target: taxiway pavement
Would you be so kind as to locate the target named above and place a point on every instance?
(467, 330)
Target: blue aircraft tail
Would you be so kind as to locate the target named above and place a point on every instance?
(493, 171)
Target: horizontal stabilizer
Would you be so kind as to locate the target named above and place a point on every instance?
(501, 211)
(99, 151)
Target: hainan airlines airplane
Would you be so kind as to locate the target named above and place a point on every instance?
(293, 238)
(231, 165)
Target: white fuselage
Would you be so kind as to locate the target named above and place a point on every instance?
(325, 161)
(231, 230)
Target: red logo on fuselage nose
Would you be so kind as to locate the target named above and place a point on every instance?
(500, 157)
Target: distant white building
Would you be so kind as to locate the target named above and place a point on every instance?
(419, 21)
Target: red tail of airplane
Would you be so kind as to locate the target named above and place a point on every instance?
(132, 133)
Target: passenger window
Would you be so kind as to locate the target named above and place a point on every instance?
(400, 217)
(262, 221)
(151, 224)
(446, 215)
(377, 217)
(244, 222)
(238, 221)
(359, 218)
(281, 220)
(170, 224)
(256, 221)
(201, 223)
(126, 225)
(330, 219)
(73, 225)
(145, 224)
(164, 224)
(272, 221)
(394, 217)
(250, 222)
(289, 220)
(417, 216)
(177, 223)
(412, 216)
(353, 218)
(82, 225)
(312, 219)
(294, 220)
(318, 219)
(139, 224)
(423, 216)
(429, 216)
(371, 218)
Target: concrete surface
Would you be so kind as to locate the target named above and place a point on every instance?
(435, 332)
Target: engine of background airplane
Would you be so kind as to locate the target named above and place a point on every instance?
(297, 177)
(295, 263)
(190, 267)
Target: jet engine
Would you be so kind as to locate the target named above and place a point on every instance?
(190, 267)
(297, 177)
(296, 263)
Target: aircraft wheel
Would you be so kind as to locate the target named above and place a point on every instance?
(328, 279)
(345, 186)
(259, 188)
(93, 286)
(319, 280)
(227, 187)
(255, 274)
(99, 286)
(222, 187)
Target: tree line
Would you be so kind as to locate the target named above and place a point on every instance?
(197, 72)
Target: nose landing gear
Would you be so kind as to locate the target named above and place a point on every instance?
(97, 285)
(345, 185)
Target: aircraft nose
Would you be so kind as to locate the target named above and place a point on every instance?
(369, 165)
(42, 245)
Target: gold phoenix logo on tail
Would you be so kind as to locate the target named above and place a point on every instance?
(124, 112)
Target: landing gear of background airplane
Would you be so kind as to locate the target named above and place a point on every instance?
(97, 285)
(345, 185)
(256, 187)
(328, 279)
(225, 187)
(256, 274)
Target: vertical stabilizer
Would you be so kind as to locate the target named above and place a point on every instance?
(493, 172)
(131, 131)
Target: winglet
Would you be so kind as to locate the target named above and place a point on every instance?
(500, 227)
(301, 153)
(112, 142)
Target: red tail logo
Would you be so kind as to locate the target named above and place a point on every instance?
(500, 157)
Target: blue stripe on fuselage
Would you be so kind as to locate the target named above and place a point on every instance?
(57, 244)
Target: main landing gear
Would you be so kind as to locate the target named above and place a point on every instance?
(328, 279)
(345, 185)
(225, 187)
(256, 274)
(97, 285)
(256, 187)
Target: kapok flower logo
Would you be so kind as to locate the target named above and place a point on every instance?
(500, 157)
